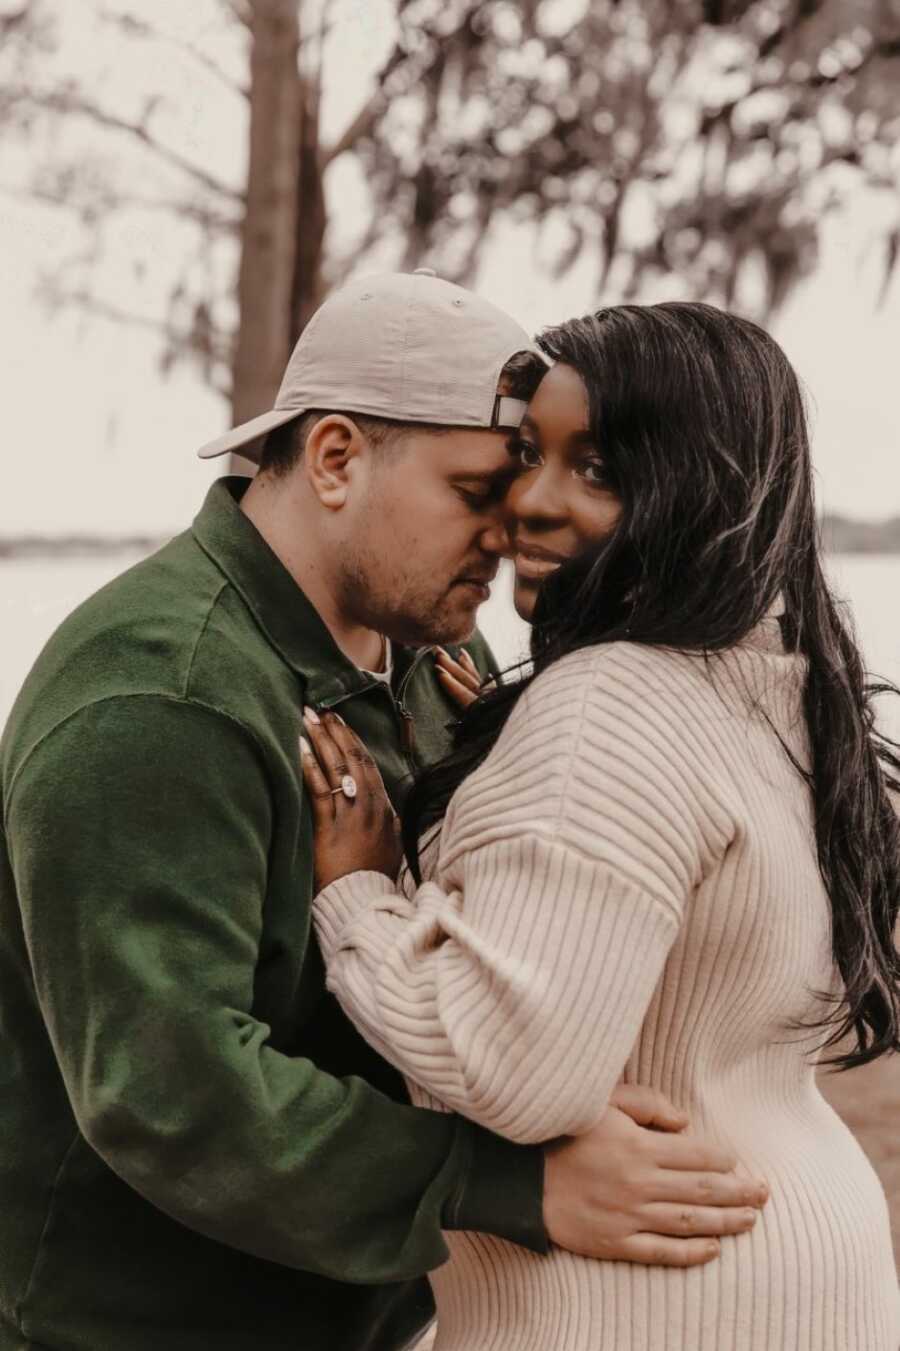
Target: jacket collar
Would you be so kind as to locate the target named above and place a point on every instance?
(280, 608)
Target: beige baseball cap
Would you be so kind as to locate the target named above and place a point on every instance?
(407, 346)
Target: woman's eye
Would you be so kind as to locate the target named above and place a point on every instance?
(594, 473)
(528, 455)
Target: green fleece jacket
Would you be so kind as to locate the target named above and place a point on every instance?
(197, 1150)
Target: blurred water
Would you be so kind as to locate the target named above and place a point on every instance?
(36, 594)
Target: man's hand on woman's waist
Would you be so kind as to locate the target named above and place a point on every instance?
(638, 1188)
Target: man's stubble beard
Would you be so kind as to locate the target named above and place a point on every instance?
(399, 606)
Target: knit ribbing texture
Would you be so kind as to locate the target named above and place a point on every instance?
(627, 889)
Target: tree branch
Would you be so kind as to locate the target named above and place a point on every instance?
(182, 341)
(69, 102)
(16, 19)
(10, 22)
(102, 309)
(370, 113)
(891, 254)
(213, 221)
(139, 28)
(207, 219)
(326, 25)
(238, 10)
(364, 121)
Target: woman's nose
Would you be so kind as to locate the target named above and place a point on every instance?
(535, 496)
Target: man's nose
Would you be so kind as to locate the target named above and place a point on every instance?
(496, 538)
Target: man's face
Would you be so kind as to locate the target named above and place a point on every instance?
(426, 532)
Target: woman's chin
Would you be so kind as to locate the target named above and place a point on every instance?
(524, 599)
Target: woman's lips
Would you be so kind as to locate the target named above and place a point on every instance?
(535, 564)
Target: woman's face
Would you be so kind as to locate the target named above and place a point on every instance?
(560, 504)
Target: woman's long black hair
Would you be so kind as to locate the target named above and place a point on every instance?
(701, 423)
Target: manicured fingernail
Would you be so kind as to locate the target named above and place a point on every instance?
(305, 747)
(339, 719)
(312, 716)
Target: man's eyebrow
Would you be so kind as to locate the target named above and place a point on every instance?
(481, 475)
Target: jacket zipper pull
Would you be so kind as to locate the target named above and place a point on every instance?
(407, 731)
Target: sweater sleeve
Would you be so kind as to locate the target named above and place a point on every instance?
(140, 831)
(514, 991)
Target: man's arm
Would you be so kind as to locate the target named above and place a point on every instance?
(139, 832)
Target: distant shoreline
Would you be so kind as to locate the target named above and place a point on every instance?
(78, 546)
(840, 535)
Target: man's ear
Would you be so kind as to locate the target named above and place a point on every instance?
(332, 446)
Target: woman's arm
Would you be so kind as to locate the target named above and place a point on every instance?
(515, 994)
(515, 1000)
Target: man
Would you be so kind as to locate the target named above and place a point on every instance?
(196, 1149)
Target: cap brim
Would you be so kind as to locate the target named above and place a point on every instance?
(248, 437)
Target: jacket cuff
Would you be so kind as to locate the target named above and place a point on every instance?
(501, 1192)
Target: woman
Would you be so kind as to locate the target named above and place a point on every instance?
(669, 854)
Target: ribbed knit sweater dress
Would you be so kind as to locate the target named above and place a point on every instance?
(627, 889)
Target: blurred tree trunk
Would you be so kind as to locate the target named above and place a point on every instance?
(308, 290)
(266, 281)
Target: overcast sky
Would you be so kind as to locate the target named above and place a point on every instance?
(96, 440)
